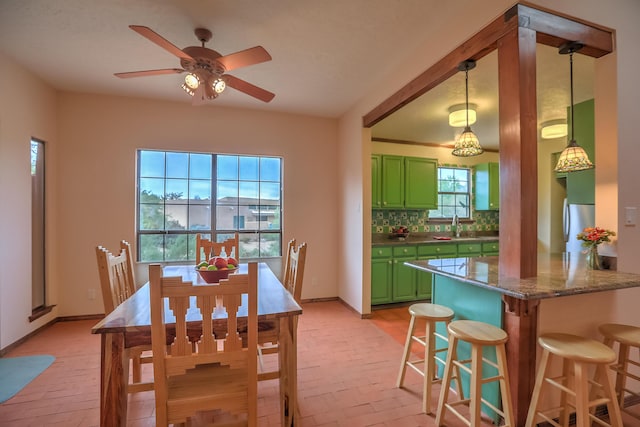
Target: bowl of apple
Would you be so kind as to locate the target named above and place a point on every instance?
(400, 232)
(217, 268)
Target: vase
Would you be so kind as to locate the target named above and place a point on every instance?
(593, 259)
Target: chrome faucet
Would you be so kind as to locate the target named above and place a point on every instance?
(455, 225)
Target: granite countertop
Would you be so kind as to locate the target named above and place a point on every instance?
(558, 275)
(384, 239)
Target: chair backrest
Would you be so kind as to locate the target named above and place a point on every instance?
(206, 249)
(294, 268)
(220, 340)
(116, 275)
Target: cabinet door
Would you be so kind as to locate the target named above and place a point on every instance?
(404, 280)
(469, 249)
(487, 186)
(424, 282)
(420, 183)
(376, 181)
(490, 248)
(392, 181)
(381, 280)
(581, 185)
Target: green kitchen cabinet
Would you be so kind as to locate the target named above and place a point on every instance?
(421, 183)
(490, 248)
(404, 277)
(469, 249)
(376, 181)
(381, 275)
(487, 186)
(431, 251)
(392, 189)
(581, 188)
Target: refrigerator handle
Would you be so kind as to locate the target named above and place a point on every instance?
(566, 221)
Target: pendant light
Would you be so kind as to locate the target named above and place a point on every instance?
(573, 158)
(467, 144)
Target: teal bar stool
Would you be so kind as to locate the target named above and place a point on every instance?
(426, 367)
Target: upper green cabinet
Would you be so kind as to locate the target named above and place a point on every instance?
(420, 183)
(581, 188)
(404, 182)
(392, 181)
(376, 181)
(487, 188)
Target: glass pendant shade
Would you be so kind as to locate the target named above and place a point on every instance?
(467, 144)
(573, 158)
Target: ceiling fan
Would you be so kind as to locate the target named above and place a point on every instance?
(205, 68)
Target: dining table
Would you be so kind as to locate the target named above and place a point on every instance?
(129, 325)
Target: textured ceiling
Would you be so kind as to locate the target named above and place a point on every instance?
(326, 54)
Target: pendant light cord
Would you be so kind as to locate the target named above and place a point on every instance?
(466, 92)
(571, 81)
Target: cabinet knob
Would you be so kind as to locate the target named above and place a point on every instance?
(379, 252)
(389, 261)
(404, 250)
(437, 249)
(384, 203)
(470, 248)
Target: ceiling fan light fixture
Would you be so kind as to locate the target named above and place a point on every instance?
(573, 158)
(218, 85)
(191, 83)
(554, 129)
(467, 144)
(458, 115)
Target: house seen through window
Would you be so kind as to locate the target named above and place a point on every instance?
(454, 187)
(181, 194)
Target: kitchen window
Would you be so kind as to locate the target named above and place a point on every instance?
(454, 195)
(180, 194)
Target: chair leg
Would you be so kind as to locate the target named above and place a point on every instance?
(475, 385)
(446, 380)
(615, 417)
(505, 390)
(429, 365)
(567, 369)
(581, 376)
(621, 374)
(407, 350)
(537, 388)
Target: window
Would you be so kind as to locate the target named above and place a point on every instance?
(453, 193)
(37, 225)
(181, 194)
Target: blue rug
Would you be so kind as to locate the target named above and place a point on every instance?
(17, 372)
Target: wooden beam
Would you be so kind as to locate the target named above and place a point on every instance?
(475, 48)
(555, 29)
(552, 29)
(518, 154)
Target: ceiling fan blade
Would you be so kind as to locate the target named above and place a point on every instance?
(248, 88)
(160, 41)
(149, 73)
(254, 55)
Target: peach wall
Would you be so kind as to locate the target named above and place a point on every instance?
(100, 136)
(27, 109)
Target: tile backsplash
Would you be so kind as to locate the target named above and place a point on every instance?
(383, 220)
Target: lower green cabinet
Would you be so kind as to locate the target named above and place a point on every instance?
(392, 281)
(490, 248)
(381, 275)
(404, 277)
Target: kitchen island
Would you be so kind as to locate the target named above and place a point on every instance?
(564, 296)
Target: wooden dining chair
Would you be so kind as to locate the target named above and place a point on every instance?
(205, 248)
(117, 282)
(218, 375)
(293, 274)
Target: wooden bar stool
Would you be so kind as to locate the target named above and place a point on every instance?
(627, 337)
(578, 355)
(431, 313)
(479, 335)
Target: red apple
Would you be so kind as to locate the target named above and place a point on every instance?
(212, 261)
(220, 262)
(232, 261)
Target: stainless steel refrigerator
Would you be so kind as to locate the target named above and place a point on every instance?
(575, 219)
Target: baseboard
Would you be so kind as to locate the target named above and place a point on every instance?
(305, 301)
(15, 344)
